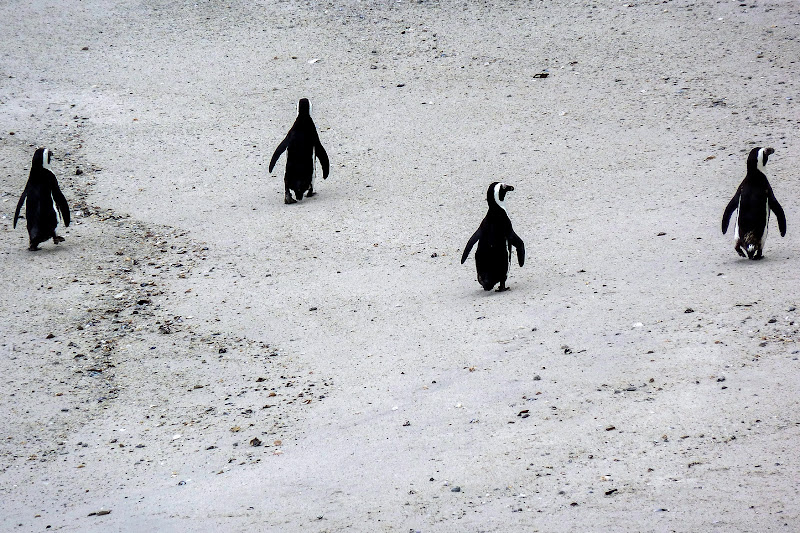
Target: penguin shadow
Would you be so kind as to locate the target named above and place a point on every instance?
(480, 293)
(743, 262)
(46, 249)
(320, 199)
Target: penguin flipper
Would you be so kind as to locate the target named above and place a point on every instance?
(322, 155)
(520, 246)
(470, 243)
(61, 203)
(278, 151)
(19, 206)
(732, 205)
(778, 210)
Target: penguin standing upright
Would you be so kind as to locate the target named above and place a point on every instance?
(43, 199)
(754, 200)
(303, 145)
(495, 237)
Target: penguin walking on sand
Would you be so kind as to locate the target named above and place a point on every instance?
(44, 202)
(754, 200)
(495, 237)
(303, 145)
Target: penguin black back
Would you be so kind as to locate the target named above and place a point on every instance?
(495, 237)
(42, 197)
(302, 145)
(754, 200)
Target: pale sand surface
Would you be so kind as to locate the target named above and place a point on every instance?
(191, 311)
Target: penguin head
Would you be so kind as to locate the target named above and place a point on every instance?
(758, 158)
(42, 157)
(304, 108)
(496, 194)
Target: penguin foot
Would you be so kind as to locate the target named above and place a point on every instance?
(33, 247)
(310, 192)
(287, 199)
(740, 251)
(502, 287)
(57, 239)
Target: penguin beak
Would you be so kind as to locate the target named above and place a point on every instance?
(507, 188)
(770, 151)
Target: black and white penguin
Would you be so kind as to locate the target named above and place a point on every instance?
(495, 237)
(303, 145)
(754, 200)
(44, 202)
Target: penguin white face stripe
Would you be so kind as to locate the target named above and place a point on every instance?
(46, 158)
(500, 204)
(760, 162)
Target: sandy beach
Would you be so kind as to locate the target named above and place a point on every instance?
(199, 356)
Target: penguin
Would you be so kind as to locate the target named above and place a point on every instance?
(303, 145)
(754, 200)
(495, 237)
(45, 202)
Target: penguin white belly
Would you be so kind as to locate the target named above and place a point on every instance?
(766, 227)
(313, 169)
(58, 213)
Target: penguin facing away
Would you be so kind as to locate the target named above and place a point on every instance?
(495, 237)
(43, 200)
(302, 145)
(754, 200)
